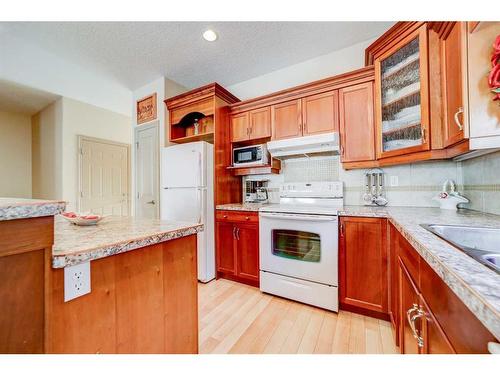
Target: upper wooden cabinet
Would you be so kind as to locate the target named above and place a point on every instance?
(239, 127)
(254, 124)
(453, 82)
(286, 119)
(402, 96)
(319, 113)
(260, 123)
(311, 115)
(357, 133)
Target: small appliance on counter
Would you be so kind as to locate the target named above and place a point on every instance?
(374, 194)
(249, 156)
(448, 200)
(256, 191)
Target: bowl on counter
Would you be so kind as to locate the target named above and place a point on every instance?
(82, 219)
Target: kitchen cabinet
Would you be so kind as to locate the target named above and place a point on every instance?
(247, 262)
(319, 113)
(251, 125)
(260, 123)
(432, 319)
(357, 132)
(225, 248)
(363, 266)
(435, 340)
(453, 81)
(286, 120)
(237, 246)
(402, 96)
(239, 127)
(410, 340)
(314, 114)
(420, 333)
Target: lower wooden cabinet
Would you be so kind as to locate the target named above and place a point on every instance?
(410, 328)
(432, 319)
(382, 275)
(237, 246)
(363, 266)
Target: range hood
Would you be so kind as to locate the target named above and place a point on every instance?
(325, 144)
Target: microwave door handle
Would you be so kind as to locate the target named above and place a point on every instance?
(299, 217)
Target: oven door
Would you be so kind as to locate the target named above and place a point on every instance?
(300, 246)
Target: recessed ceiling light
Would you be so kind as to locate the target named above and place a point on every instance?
(210, 35)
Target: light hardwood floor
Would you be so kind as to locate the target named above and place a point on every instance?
(236, 318)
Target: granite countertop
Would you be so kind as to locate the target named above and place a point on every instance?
(20, 208)
(476, 285)
(241, 206)
(113, 235)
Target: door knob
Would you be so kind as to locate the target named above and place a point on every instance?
(151, 202)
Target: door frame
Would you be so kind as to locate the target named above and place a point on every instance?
(137, 129)
(82, 138)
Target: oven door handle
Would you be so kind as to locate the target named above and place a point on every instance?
(299, 217)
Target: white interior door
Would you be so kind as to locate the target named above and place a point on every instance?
(147, 170)
(104, 177)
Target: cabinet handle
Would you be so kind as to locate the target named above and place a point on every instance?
(234, 233)
(225, 216)
(341, 230)
(247, 218)
(460, 110)
(237, 233)
(411, 321)
(424, 138)
(342, 151)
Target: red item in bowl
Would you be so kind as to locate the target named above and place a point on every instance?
(90, 217)
(69, 214)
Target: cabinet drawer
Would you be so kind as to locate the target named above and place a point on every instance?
(410, 258)
(240, 216)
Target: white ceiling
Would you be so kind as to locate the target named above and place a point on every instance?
(136, 53)
(21, 99)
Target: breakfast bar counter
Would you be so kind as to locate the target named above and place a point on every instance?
(113, 235)
(136, 290)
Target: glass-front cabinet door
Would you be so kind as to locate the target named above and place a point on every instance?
(402, 98)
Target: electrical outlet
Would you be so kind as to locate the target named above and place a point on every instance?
(394, 181)
(76, 281)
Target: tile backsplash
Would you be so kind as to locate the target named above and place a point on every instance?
(481, 182)
(416, 183)
(478, 179)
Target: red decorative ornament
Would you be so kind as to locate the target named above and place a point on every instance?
(494, 76)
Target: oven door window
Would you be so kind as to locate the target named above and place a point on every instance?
(295, 244)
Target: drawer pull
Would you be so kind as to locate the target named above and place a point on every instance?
(411, 321)
(225, 216)
(247, 218)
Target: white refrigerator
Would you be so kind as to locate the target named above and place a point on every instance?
(187, 195)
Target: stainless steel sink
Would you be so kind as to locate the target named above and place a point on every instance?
(482, 244)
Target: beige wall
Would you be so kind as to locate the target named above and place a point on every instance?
(55, 144)
(84, 119)
(15, 155)
(46, 152)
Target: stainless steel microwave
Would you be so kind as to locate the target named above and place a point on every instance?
(250, 155)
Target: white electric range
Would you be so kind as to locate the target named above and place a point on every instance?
(299, 243)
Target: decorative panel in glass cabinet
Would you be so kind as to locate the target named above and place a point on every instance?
(402, 96)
